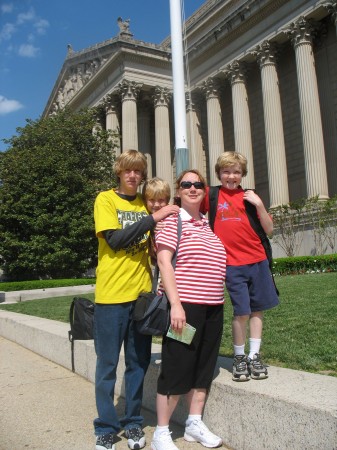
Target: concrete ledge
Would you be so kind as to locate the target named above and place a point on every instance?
(32, 294)
(290, 410)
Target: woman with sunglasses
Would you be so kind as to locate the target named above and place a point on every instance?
(195, 291)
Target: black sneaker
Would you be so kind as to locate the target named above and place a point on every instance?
(105, 441)
(136, 438)
(240, 369)
(257, 370)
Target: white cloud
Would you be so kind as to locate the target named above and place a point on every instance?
(7, 32)
(27, 26)
(28, 50)
(41, 25)
(7, 106)
(7, 8)
(28, 16)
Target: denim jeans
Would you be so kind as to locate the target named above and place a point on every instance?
(113, 325)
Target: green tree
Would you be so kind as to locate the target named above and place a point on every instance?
(49, 178)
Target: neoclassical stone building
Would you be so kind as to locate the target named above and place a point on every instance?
(261, 80)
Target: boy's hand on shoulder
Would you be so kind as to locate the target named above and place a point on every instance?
(252, 198)
(164, 212)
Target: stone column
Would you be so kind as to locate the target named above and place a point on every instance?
(214, 126)
(236, 73)
(197, 160)
(276, 155)
(129, 91)
(144, 133)
(161, 99)
(112, 121)
(301, 33)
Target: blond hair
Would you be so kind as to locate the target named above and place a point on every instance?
(156, 188)
(131, 160)
(228, 159)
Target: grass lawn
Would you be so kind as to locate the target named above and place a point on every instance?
(301, 333)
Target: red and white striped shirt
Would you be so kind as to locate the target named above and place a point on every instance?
(201, 262)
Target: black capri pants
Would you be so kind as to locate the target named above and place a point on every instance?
(185, 367)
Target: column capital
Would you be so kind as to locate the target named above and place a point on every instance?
(302, 31)
(111, 103)
(236, 72)
(331, 6)
(266, 54)
(211, 88)
(162, 96)
(128, 90)
(193, 101)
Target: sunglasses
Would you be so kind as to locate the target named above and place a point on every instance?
(189, 184)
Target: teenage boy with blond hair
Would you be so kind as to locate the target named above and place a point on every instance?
(122, 226)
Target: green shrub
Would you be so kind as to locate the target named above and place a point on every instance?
(296, 265)
(43, 284)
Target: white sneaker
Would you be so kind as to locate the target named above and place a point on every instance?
(163, 441)
(197, 431)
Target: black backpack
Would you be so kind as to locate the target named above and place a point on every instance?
(81, 318)
(253, 220)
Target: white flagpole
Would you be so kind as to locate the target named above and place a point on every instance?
(181, 150)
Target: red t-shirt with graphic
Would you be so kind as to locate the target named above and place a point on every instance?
(242, 244)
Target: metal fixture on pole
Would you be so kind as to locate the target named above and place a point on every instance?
(180, 130)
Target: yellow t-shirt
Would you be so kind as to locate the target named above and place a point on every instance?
(121, 275)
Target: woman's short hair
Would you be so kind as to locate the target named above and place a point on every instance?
(176, 199)
(228, 159)
(184, 172)
(131, 160)
(156, 188)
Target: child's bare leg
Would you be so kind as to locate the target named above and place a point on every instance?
(256, 324)
(239, 329)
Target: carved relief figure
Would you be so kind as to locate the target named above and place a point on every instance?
(79, 77)
(60, 100)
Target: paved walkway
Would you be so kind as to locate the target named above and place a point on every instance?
(44, 406)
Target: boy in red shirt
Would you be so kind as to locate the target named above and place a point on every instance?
(248, 280)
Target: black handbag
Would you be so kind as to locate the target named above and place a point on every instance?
(152, 311)
(152, 314)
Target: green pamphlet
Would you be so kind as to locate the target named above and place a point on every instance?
(185, 336)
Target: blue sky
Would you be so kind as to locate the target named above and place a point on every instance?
(33, 44)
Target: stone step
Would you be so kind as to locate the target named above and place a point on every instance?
(289, 410)
(32, 294)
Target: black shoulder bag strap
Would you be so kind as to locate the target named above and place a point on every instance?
(213, 195)
(257, 227)
(174, 258)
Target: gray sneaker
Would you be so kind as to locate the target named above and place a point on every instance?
(240, 368)
(257, 370)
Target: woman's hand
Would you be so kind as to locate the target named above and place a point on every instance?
(178, 317)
